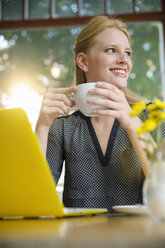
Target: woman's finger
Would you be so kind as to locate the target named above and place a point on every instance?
(105, 103)
(66, 90)
(109, 86)
(52, 110)
(58, 97)
(108, 93)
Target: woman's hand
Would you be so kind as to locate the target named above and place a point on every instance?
(55, 103)
(116, 103)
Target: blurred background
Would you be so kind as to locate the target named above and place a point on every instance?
(37, 39)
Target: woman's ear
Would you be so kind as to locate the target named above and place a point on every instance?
(81, 62)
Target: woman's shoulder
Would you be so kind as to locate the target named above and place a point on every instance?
(71, 119)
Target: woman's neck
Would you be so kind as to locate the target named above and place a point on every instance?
(105, 120)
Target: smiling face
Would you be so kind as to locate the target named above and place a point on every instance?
(109, 59)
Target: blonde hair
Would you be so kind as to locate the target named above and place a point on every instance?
(86, 38)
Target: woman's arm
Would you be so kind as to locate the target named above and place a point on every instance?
(55, 103)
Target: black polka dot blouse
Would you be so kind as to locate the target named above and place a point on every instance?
(93, 180)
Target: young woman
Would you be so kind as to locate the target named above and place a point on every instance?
(105, 162)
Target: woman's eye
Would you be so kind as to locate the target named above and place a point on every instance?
(110, 50)
(128, 53)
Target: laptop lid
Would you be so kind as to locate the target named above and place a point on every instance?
(27, 187)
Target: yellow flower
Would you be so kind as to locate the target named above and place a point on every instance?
(137, 108)
(157, 115)
(157, 104)
(148, 125)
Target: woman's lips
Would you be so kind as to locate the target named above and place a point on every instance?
(121, 72)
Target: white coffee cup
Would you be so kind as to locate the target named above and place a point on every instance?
(81, 99)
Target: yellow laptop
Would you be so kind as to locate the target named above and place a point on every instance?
(27, 187)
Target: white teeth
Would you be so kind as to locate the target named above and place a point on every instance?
(119, 71)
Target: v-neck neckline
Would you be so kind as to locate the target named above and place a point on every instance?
(104, 159)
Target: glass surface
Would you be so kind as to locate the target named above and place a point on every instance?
(11, 9)
(118, 6)
(154, 186)
(90, 7)
(65, 8)
(148, 5)
(146, 75)
(38, 9)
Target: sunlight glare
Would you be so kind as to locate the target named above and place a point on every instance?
(27, 99)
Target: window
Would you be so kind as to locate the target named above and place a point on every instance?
(35, 59)
(15, 6)
(29, 9)
(90, 7)
(115, 6)
(32, 59)
(38, 9)
(148, 5)
(65, 8)
(147, 73)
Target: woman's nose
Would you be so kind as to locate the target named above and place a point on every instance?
(122, 58)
